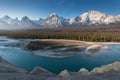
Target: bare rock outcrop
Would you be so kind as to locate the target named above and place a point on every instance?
(114, 67)
(10, 72)
(39, 70)
(64, 74)
(83, 71)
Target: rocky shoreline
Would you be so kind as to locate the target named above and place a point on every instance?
(105, 72)
(10, 72)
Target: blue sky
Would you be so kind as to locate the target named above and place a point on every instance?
(35, 9)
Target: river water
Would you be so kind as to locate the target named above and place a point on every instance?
(27, 60)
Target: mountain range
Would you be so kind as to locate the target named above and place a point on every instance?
(90, 18)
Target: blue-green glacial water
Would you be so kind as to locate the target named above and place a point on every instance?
(27, 60)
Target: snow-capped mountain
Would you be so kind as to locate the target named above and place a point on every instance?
(6, 19)
(55, 21)
(26, 21)
(94, 18)
(75, 20)
(38, 22)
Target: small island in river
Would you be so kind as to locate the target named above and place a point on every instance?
(60, 48)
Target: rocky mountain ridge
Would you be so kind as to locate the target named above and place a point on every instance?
(89, 18)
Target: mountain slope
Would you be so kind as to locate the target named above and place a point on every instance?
(6, 19)
(89, 18)
(95, 18)
(53, 20)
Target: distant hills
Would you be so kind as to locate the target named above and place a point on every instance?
(90, 18)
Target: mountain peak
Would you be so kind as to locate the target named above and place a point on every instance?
(53, 15)
(40, 19)
(92, 17)
(25, 17)
(26, 20)
(92, 13)
(6, 17)
(16, 18)
(95, 17)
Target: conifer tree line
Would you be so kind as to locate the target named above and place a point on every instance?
(93, 35)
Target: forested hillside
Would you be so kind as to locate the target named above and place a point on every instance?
(94, 34)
